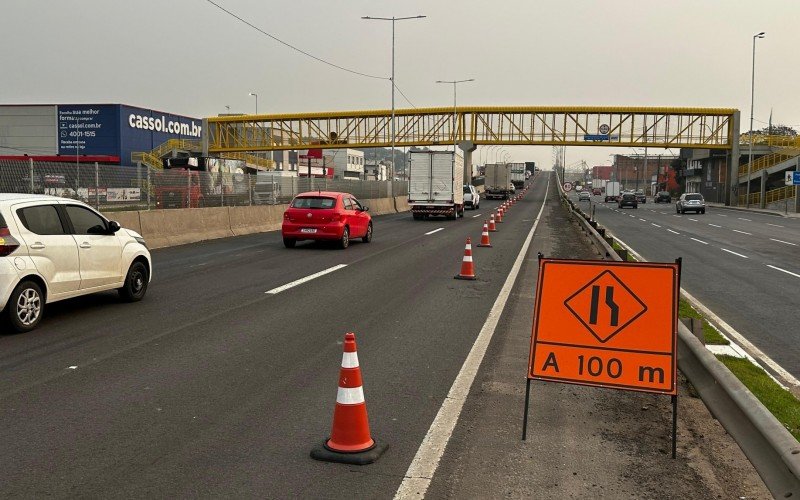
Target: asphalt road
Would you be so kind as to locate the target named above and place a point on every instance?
(211, 387)
(744, 266)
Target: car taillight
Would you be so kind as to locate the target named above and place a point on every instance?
(7, 242)
(286, 216)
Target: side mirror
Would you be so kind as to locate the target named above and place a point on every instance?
(113, 226)
(366, 209)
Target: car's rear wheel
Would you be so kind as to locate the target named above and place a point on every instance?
(703, 211)
(135, 285)
(25, 307)
(344, 242)
(368, 237)
(289, 242)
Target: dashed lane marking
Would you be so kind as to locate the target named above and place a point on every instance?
(743, 232)
(699, 241)
(742, 218)
(713, 225)
(304, 280)
(434, 231)
(673, 232)
(642, 219)
(774, 225)
(474, 216)
(693, 220)
(734, 253)
(654, 224)
(784, 271)
(784, 242)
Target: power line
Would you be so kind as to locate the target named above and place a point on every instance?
(404, 96)
(223, 9)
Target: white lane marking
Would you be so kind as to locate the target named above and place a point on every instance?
(713, 225)
(73, 367)
(434, 231)
(476, 216)
(678, 216)
(728, 329)
(629, 215)
(737, 231)
(654, 224)
(722, 215)
(642, 219)
(699, 241)
(693, 220)
(784, 242)
(784, 271)
(774, 225)
(742, 218)
(734, 253)
(420, 473)
(303, 280)
(673, 232)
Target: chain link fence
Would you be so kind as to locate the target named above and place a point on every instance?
(113, 188)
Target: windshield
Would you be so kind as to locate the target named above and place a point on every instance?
(694, 197)
(466, 190)
(314, 202)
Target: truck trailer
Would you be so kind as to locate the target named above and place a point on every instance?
(518, 175)
(498, 180)
(612, 191)
(435, 184)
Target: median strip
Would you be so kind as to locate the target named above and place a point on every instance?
(293, 284)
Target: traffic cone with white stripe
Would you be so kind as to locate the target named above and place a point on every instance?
(485, 236)
(467, 266)
(499, 217)
(492, 227)
(350, 440)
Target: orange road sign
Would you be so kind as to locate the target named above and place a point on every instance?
(604, 323)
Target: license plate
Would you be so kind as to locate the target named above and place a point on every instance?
(308, 230)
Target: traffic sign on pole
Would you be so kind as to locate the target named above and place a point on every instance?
(567, 186)
(608, 324)
(792, 178)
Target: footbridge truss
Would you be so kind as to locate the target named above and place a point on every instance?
(709, 128)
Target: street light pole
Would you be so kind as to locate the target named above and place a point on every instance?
(752, 96)
(455, 109)
(256, 96)
(392, 19)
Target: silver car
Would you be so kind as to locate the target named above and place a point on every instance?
(690, 202)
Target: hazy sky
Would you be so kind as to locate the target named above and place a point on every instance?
(188, 57)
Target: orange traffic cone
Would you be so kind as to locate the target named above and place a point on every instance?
(350, 440)
(485, 236)
(492, 227)
(499, 218)
(467, 268)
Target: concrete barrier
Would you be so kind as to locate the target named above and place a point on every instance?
(128, 220)
(164, 228)
(401, 202)
(256, 219)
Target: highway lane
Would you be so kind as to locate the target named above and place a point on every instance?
(743, 266)
(212, 387)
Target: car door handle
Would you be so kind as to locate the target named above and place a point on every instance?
(37, 246)
(86, 244)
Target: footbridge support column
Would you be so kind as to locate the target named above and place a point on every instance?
(733, 172)
(467, 147)
(762, 202)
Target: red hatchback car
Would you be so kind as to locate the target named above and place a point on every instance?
(326, 215)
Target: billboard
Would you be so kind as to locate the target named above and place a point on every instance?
(88, 129)
(143, 129)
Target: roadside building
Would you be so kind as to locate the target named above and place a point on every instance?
(347, 163)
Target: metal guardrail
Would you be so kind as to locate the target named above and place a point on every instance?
(773, 195)
(772, 450)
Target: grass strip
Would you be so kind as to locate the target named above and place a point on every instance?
(710, 334)
(778, 400)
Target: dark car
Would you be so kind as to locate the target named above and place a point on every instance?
(640, 197)
(627, 200)
(326, 215)
(663, 196)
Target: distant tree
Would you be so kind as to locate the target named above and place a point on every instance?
(777, 129)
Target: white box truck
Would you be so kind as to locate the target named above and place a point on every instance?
(435, 184)
(612, 191)
(498, 180)
(518, 175)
